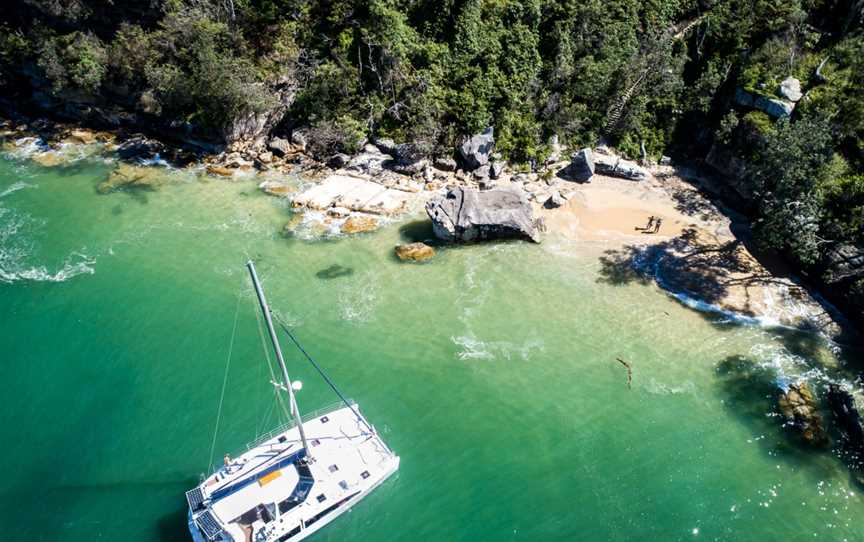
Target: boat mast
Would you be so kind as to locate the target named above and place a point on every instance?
(266, 310)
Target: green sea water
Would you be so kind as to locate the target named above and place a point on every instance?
(491, 371)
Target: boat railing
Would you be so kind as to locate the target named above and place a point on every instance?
(290, 424)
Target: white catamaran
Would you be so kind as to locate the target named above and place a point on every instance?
(296, 479)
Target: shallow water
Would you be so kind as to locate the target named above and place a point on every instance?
(491, 370)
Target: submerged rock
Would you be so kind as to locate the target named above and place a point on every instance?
(49, 159)
(800, 410)
(471, 215)
(359, 224)
(415, 252)
(220, 171)
(276, 188)
(477, 150)
(129, 176)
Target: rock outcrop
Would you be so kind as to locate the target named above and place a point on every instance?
(477, 150)
(846, 413)
(280, 147)
(355, 194)
(614, 166)
(414, 252)
(470, 215)
(140, 148)
(408, 159)
(772, 106)
(445, 164)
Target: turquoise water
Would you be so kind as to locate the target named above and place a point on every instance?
(491, 371)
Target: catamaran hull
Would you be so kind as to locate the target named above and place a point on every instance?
(197, 536)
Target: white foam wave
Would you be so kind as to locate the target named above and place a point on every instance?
(358, 298)
(76, 264)
(20, 185)
(473, 348)
(156, 160)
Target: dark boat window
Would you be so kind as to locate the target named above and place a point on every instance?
(321, 498)
(291, 533)
(324, 419)
(323, 513)
(316, 442)
(282, 439)
(343, 484)
(364, 474)
(268, 514)
(333, 468)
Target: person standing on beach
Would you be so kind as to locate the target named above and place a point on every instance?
(657, 224)
(650, 223)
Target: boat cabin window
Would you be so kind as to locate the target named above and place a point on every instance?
(343, 484)
(321, 498)
(268, 512)
(333, 468)
(364, 474)
(315, 442)
(290, 534)
(324, 419)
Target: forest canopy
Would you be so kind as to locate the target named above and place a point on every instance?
(649, 77)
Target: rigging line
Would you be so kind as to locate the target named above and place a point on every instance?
(224, 384)
(320, 371)
(273, 379)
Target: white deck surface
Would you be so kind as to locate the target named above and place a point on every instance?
(336, 439)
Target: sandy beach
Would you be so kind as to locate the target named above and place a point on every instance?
(695, 253)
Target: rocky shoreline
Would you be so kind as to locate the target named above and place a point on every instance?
(590, 194)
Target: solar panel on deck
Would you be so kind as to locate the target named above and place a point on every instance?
(209, 525)
(195, 498)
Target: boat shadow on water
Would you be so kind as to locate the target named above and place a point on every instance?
(173, 527)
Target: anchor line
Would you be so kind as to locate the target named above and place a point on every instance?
(320, 371)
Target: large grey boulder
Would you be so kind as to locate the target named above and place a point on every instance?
(476, 151)
(582, 166)
(470, 215)
(618, 167)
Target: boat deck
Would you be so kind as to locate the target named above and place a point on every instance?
(273, 488)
